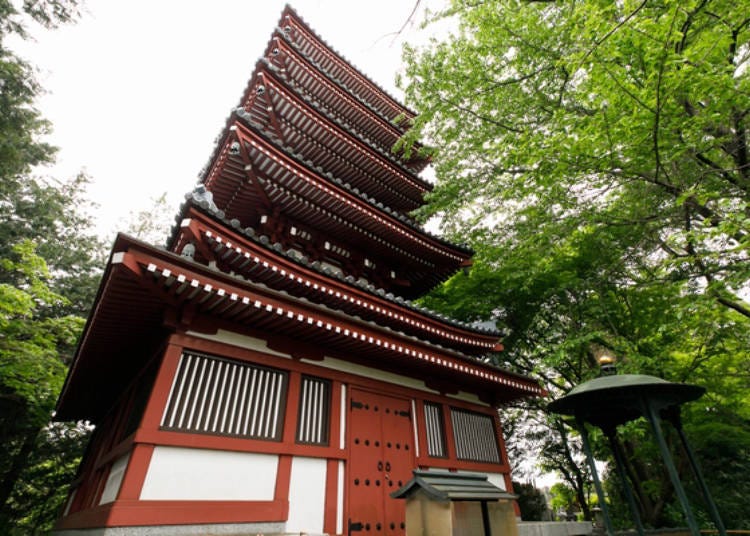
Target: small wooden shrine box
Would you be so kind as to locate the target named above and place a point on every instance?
(442, 503)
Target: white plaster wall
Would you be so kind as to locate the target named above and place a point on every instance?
(340, 501)
(253, 343)
(177, 473)
(389, 377)
(342, 416)
(114, 479)
(237, 339)
(307, 495)
(497, 479)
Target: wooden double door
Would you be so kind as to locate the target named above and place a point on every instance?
(381, 460)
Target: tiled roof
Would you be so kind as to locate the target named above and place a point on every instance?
(404, 173)
(292, 256)
(338, 182)
(306, 70)
(452, 486)
(165, 291)
(306, 27)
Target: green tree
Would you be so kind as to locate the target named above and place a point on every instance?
(563, 498)
(530, 500)
(31, 371)
(594, 154)
(55, 216)
(47, 251)
(20, 123)
(43, 485)
(596, 113)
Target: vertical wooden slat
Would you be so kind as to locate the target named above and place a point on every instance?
(178, 379)
(320, 403)
(220, 388)
(207, 409)
(231, 400)
(250, 402)
(184, 390)
(304, 410)
(313, 418)
(278, 407)
(213, 395)
(474, 436)
(273, 406)
(435, 430)
(242, 395)
(235, 398)
(259, 395)
(200, 394)
(316, 408)
(415, 426)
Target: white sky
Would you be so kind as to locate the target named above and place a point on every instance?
(137, 91)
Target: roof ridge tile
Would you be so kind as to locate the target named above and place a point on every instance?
(317, 266)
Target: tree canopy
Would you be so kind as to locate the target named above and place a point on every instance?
(594, 155)
(49, 265)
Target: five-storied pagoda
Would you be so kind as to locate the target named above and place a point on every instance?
(266, 372)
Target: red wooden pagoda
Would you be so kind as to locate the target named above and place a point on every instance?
(266, 372)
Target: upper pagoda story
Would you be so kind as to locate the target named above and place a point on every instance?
(251, 257)
(306, 161)
(295, 48)
(305, 126)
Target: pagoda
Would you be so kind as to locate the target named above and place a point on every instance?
(267, 371)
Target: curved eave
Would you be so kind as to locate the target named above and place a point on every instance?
(306, 115)
(156, 285)
(390, 107)
(327, 204)
(237, 252)
(122, 333)
(238, 197)
(295, 67)
(360, 209)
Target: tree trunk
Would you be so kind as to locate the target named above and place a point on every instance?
(575, 475)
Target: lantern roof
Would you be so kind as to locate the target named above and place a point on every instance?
(612, 400)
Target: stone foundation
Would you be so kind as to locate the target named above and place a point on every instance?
(554, 528)
(229, 529)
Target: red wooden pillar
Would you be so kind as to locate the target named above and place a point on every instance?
(450, 443)
(157, 401)
(504, 459)
(140, 456)
(135, 473)
(283, 480)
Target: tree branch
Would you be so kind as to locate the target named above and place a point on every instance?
(720, 171)
(612, 31)
(657, 115)
(740, 308)
(478, 116)
(703, 270)
(686, 26)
